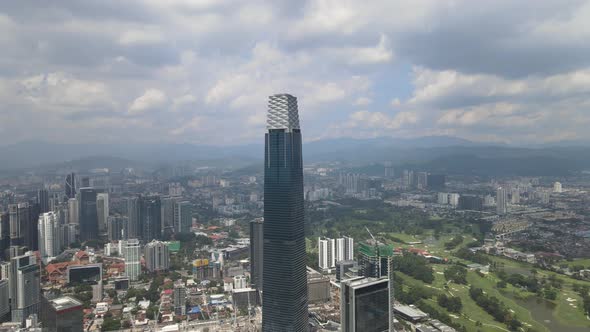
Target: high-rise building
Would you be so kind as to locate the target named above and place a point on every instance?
(4, 299)
(18, 218)
(501, 201)
(157, 256)
(436, 181)
(4, 232)
(183, 217)
(168, 214)
(240, 282)
(179, 300)
(284, 276)
(117, 228)
(85, 182)
(88, 214)
(332, 251)
(63, 314)
(470, 202)
(346, 270)
(131, 253)
(454, 199)
(133, 227)
(256, 252)
(150, 217)
(364, 305)
(25, 287)
(326, 253)
(422, 180)
(557, 187)
(73, 211)
(43, 200)
(102, 211)
(70, 185)
(515, 196)
(49, 235)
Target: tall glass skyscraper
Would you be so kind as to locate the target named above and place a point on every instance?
(284, 273)
(88, 214)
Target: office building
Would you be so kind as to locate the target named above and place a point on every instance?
(157, 256)
(346, 270)
(69, 234)
(168, 207)
(49, 236)
(63, 314)
(4, 299)
(25, 287)
(515, 196)
(470, 202)
(421, 180)
(102, 211)
(557, 188)
(70, 185)
(284, 270)
(4, 232)
(117, 228)
(364, 305)
(85, 182)
(131, 253)
(43, 200)
(88, 214)
(183, 217)
(501, 201)
(89, 274)
(73, 211)
(256, 252)
(179, 300)
(133, 227)
(150, 218)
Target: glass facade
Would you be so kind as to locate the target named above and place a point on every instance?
(88, 214)
(284, 272)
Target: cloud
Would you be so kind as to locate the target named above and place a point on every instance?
(362, 101)
(150, 100)
(480, 70)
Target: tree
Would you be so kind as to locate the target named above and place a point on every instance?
(111, 324)
(456, 274)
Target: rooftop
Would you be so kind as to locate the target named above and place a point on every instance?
(64, 303)
(369, 250)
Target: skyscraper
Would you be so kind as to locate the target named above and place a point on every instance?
(183, 217)
(168, 210)
(133, 228)
(64, 314)
(73, 211)
(131, 250)
(179, 300)
(102, 210)
(117, 228)
(284, 274)
(364, 305)
(88, 214)
(150, 217)
(256, 252)
(25, 287)
(71, 185)
(43, 200)
(23, 219)
(501, 201)
(49, 235)
(157, 256)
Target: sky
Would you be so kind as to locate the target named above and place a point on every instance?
(201, 71)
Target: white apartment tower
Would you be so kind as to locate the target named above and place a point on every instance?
(49, 235)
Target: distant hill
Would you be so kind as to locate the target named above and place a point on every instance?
(434, 153)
